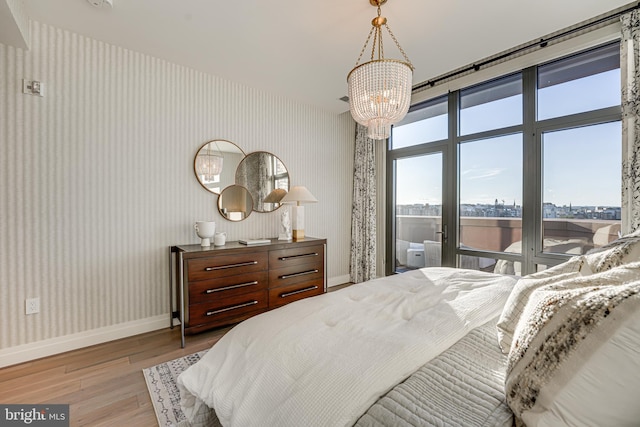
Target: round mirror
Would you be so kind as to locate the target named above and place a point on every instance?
(261, 173)
(215, 164)
(235, 203)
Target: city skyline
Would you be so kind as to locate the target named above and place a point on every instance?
(512, 210)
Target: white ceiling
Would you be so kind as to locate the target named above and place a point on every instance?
(304, 50)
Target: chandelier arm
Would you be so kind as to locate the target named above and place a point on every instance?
(406, 58)
(365, 46)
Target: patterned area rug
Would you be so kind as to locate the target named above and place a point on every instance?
(163, 388)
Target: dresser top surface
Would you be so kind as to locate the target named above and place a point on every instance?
(196, 249)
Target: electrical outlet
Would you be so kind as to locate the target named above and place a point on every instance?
(32, 305)
(32, 87)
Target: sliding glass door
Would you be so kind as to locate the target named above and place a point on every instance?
(418, 211)
(417, 162)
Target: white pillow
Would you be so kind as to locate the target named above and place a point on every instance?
(615, 402)
(622, 251)
(574, 358)
(519, 296)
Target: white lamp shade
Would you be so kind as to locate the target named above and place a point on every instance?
(299, 195)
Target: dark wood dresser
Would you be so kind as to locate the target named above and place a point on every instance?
(221, 285)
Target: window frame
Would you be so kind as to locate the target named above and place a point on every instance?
(532, 131)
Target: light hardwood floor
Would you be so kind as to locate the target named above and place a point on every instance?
(102, 384)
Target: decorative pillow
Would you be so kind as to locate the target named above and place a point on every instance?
(565, 246)
(520, 295)
(624, 250)
(574, 359)
(572, 265)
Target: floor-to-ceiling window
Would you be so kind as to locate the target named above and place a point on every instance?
(511, 175)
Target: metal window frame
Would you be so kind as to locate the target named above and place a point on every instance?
(532, 130)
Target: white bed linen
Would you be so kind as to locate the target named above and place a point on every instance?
(324, 360)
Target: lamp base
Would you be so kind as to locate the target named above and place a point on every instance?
(298, 222)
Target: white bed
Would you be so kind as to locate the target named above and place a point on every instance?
(326, 360)
(437, 347)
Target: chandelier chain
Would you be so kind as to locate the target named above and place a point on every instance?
(375, 42)
(365, 46)
(380, 46)
(406, 58)
(379, 34)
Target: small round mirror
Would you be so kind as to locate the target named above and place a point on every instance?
(215, 164)
(235, 203)
(261, 173)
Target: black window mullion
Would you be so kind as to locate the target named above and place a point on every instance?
(390, 229)
(531, 169)
(450, 202)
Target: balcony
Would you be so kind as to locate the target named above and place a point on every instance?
(418, 241)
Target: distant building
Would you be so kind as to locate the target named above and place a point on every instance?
(500, 210)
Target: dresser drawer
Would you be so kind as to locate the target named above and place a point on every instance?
(223, 287)
(227, 310)
(226, 265)
(296, 256)
(286, 294)
(296, 274)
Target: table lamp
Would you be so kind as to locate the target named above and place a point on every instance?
(298, 195)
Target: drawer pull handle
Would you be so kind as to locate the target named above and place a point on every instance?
(302, 273)
(222, 310)
(226, 288)
(299, 291)
(285, 258)
(222, 267)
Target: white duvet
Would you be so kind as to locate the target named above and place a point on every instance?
(324, 360)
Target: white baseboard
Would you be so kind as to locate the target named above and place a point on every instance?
(49, 347)
(338, 280)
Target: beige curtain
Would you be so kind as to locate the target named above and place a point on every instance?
(363, 219)
(630, 76)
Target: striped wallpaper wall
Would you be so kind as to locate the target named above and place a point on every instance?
(96, 178)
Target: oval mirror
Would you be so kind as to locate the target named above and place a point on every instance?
(235, 203)
(215, 164)
(261, 173)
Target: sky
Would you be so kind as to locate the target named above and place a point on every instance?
(492, 169)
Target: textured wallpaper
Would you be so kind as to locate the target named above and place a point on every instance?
(97, 178)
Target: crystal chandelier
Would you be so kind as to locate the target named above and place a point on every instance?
(209, 164)
(380, 90)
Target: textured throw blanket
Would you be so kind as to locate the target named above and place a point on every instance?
(562, 325)
(623, 250)
(324, 360)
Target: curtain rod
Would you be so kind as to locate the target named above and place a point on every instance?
(542, 43)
